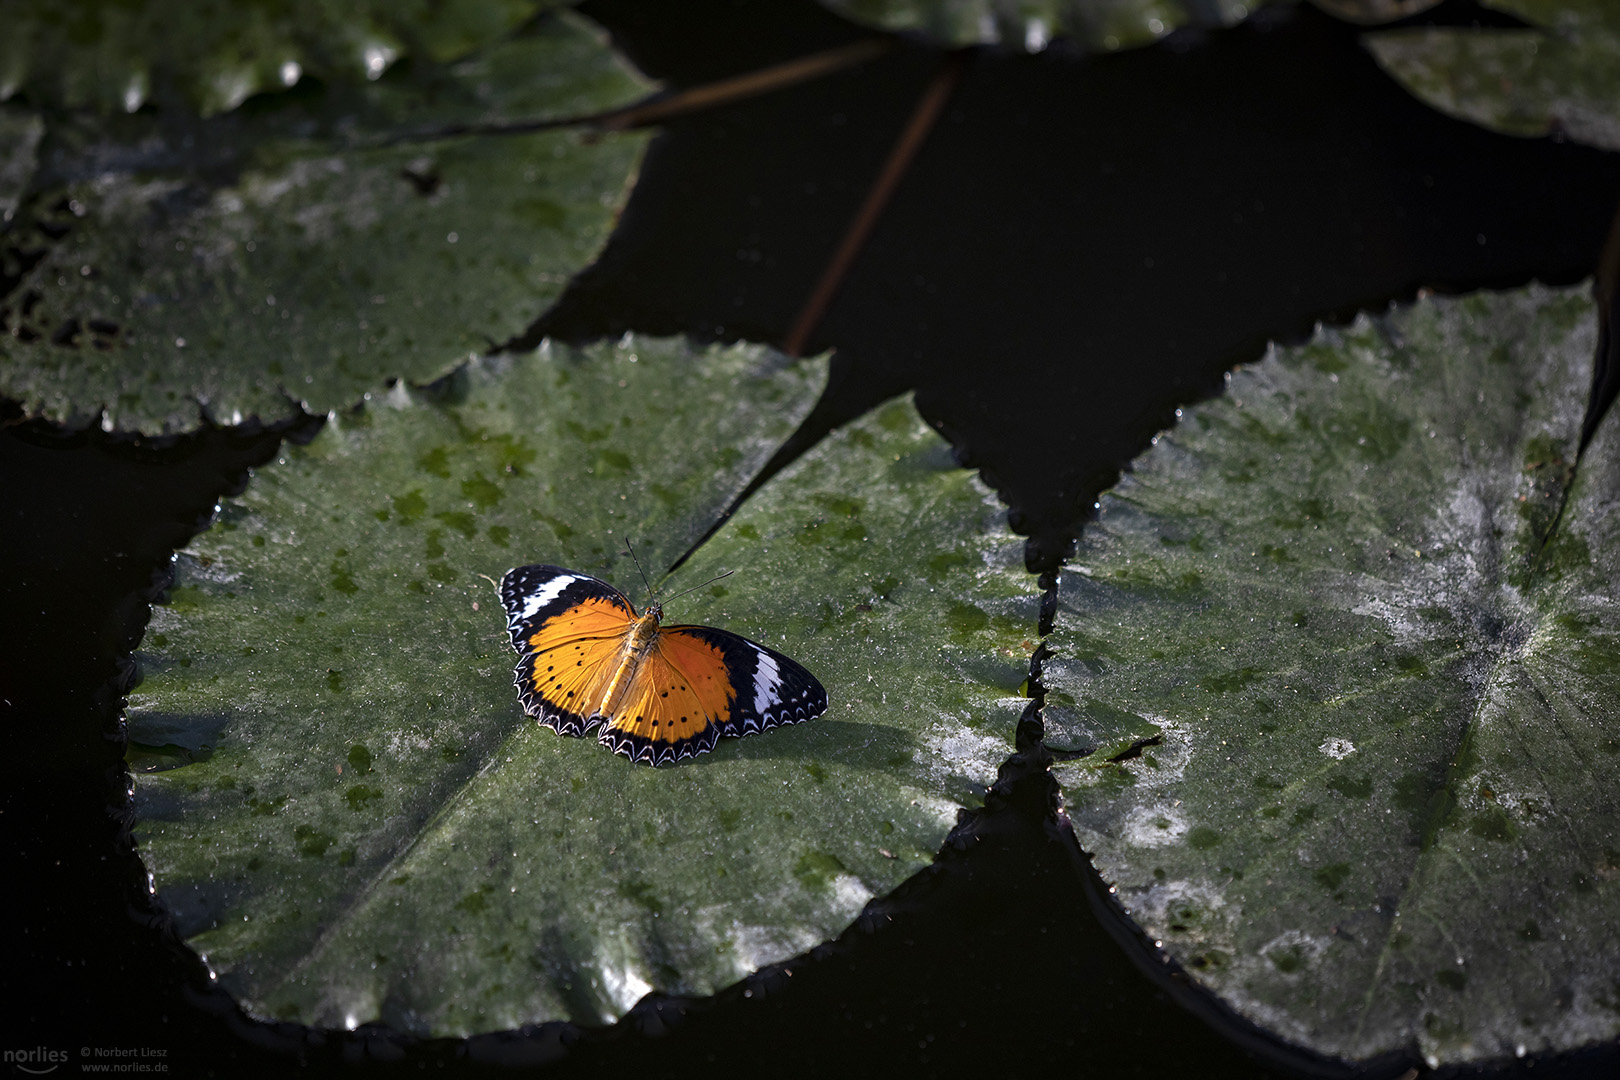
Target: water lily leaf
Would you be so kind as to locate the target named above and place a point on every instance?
(1358, 660)
(324, 267)
(1029, 24)
(1563, 78)
(81, 53)
(343, 803)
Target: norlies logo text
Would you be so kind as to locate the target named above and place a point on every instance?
(39, 1055)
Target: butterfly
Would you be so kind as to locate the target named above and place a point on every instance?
(659, 693)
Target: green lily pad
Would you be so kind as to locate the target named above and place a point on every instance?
(342, 802)
(1350, 631)
(323, 267)
(84, 53)
(1029, 24)
(1565, 77)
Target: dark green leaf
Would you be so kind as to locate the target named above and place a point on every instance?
(324, 267)
(1365, 605)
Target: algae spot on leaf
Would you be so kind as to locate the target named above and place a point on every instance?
(966, 618)
(311, 842)
(817, 869)
(1287, 959)
(409, 507)
(1432, 676)
(1332, 876)
(459, 520)
(435, 462)
(481, 492)
(341, 579)
(506, 832)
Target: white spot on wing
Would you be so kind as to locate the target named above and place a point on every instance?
(545, 595)
(767, 684)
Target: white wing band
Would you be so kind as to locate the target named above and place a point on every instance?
(545, 595)
(766, 683)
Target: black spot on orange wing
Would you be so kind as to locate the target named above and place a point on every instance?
(561, 684)
(664, 720)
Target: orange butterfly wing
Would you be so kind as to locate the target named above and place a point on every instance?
(571, 631)
(766, 689)
(563, 681)
(677, 704)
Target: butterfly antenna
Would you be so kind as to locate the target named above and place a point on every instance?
(695, 588)
(639, 570)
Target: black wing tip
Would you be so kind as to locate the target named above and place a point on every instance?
(515, 580)
(514, 584)
(512, 577)
(799, 697)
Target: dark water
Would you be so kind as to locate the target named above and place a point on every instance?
(1273, 176)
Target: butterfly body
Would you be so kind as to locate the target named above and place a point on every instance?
(638, 643)
(658, 693)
